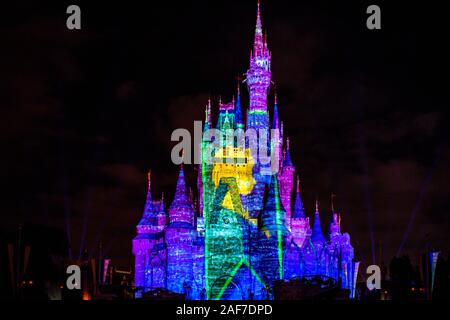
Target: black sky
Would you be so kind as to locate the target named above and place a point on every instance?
(84, 114)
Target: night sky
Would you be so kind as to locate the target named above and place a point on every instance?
(85, 114)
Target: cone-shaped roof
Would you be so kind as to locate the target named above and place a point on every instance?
(287, 161)
(181, 209)
(258, 44)
(299, 211)
(317, 234)
(149, 208)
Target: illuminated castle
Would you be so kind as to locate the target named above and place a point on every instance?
(247, 227)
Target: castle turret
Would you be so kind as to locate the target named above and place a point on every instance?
(299, 222)
(287, 180)
(149, 236)
(180, 236)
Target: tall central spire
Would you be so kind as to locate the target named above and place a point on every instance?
(259, 75)
(258, 45)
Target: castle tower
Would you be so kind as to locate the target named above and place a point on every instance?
(259, 78)
(180, 235)
(149, 236)
(157, 260)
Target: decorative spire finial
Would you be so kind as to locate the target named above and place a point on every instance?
(317, 204)
(238, 111)
(258, 17)
(276, 120)
(298, 184)
(332, 202)
(238, 83)
(265, 40)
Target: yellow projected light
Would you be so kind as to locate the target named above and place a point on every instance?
(230, 162)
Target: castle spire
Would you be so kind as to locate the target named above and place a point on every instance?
(181, 209)
(149, 176)
(238, 111)
(287, 161)
(258, 44)
(206, 125)
(299, 211)
(332, 202)
(258, 78)
(209, 113)
(162, 206)
(149, 202)
(149, 206)
(317, 234)
(276, 121)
